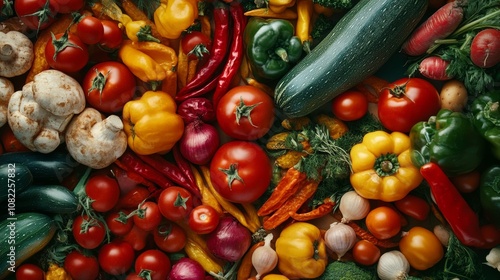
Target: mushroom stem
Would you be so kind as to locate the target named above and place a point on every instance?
(7, 52)
(108, 129)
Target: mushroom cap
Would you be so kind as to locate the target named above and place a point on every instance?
(24, 56)
(6, 91)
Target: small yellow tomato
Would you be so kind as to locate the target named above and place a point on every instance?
(421, 247)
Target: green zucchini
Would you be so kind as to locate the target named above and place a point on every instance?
(14, 179)
(49, 168)
(22, 236)
(359, 44)
(47, 199)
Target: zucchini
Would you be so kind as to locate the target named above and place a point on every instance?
(49, 168)
(14, 179)
(23, 235)
(358, 45)
(47, 199)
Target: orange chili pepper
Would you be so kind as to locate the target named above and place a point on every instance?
(316, 213)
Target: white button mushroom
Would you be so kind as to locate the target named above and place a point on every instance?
(16, 54)
(6, 91)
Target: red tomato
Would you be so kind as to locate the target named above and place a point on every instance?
(169, 237)
(116, 257)
(245, 113)
(148, 216)
(421, 247)
(90, 30)
(491, 235)
(350, 105)
(175, 203)
(104, 192)
(366, 253)
(413, 206)
(196, 45)
(203, 219)
(118, 223)
(383, 222)
(88, 233)
(240, 171)
(30, 271)
(69, 6)
(108, 86)
(153, 262)
(467, 182)
(36, 14)
(406, 102)
(81, 267)
(66, 53)
(112, 36)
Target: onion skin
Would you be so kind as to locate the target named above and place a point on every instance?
(186, 269)
(197, 108)
(230, 240)
(199, 142)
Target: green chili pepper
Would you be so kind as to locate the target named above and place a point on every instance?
(486, 118)
(271, 47)
(448, 139)
(489, 193)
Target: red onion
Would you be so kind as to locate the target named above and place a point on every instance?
(230, 240)
(199, 142)
(196, 108)
(186, 269)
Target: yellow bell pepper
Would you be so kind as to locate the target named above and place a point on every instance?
(278, 6)
(301, 251)
(149, 61)
(139, 31)
(174, 16)
(151, 123)
(55, 272)
(382, 167)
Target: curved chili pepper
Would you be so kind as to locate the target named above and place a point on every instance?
(183, 164)
(133, 163)
(200, 91)
(217, 53)
(235, 54)
(462, 219)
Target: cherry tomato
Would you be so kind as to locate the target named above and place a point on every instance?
(240, 171)
(491, 235)
(467, 182)
(30, 271)
(175, 203)
(36, 14)
(383, 222)
(406, 102)
(245, 113)
(104, 192)
(169, 237)
(196, 45)
(116, 257)
(90, 30)
(153, 262)
(148, 216)
(71, 57)
(365, 252)
(421, 247)
(108, 86)
(80, 266)
(112, 36)
(88, 233)
(350, 105)
(203, 219)
(10, 142)
(413, 206)
(69, 6)
(118, 223)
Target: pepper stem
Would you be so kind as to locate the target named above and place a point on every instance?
(492, 112)
(386, 165)
(281, 52)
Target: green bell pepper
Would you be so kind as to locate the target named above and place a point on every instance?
(486, 118)
(448, 139)
(489, 193)
(271, 47)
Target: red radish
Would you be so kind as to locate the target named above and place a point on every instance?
(438, 26)
(485, 48)
(434, 67)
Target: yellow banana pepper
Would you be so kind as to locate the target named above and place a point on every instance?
(301, 251)
(151, 123)
(382, 167)
(149, 61)
(174, 16)
(139, 31)
(278, 6)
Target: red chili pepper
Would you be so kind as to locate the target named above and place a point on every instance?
(217, 53)
(462, 219)
(120, 170)
(135, 164)
(200, 91)
(183, 164)
(235, 54)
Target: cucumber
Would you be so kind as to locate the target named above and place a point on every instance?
(23, 235)
(14, 179)
(47, 199)
(359, 44)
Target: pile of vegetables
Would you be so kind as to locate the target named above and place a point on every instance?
(242, 139)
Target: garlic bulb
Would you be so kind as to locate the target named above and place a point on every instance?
(264, 258)
(353, 206)
(340, 238)
(493, 258)
(393, 265)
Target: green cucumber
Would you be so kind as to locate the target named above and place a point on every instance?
(14, 179)
(359, 44)
(22, 236)
(47, 199)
